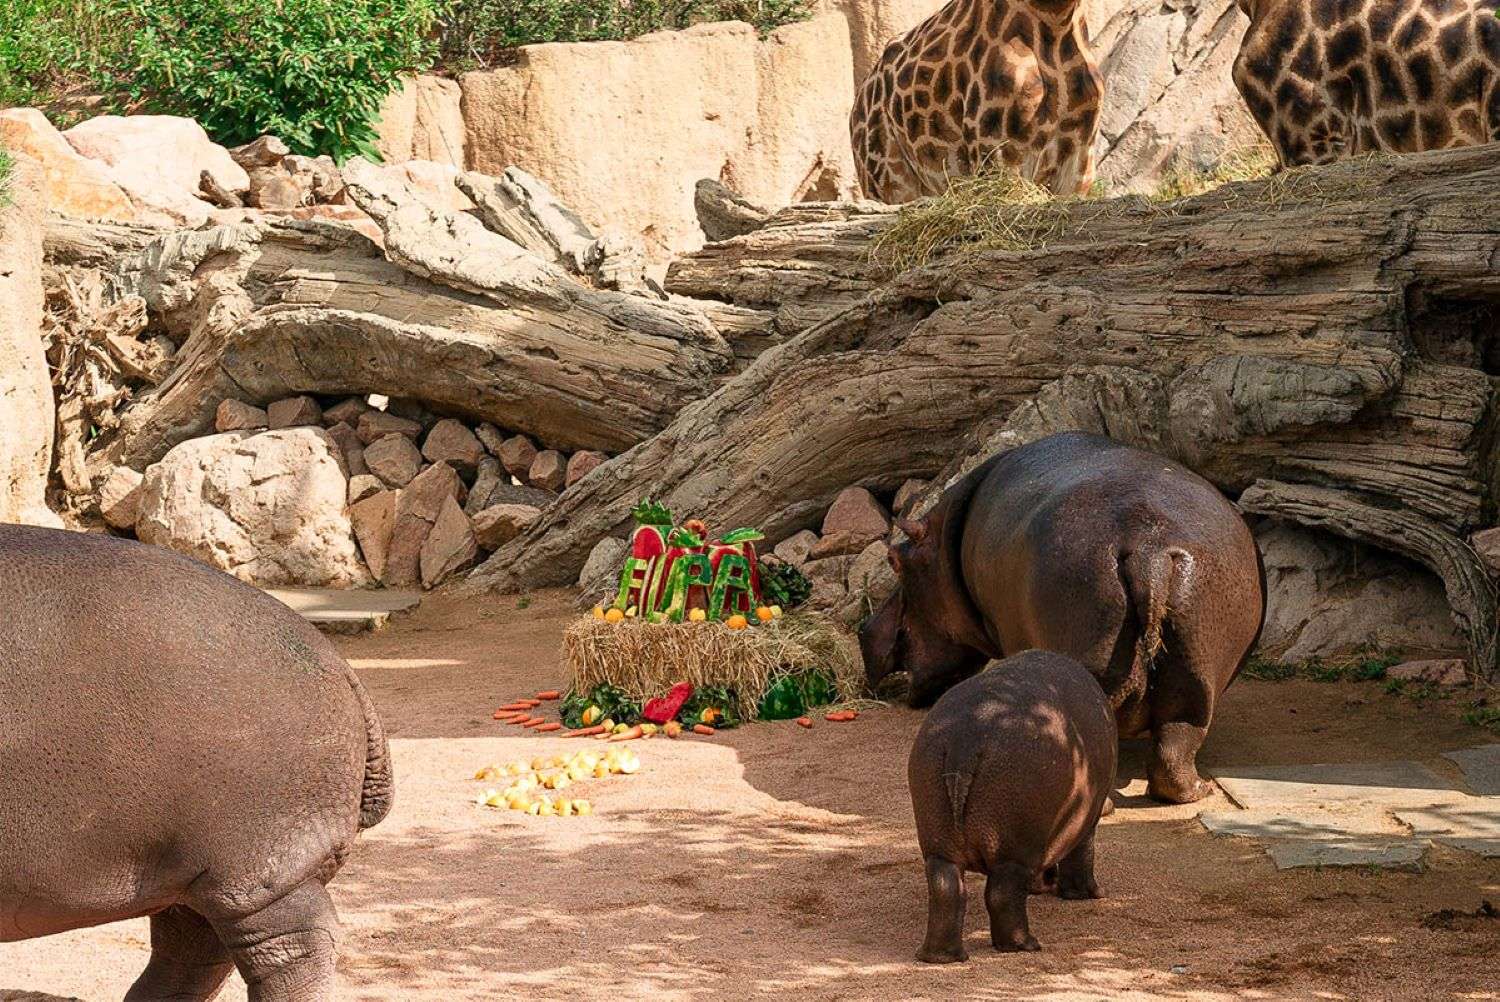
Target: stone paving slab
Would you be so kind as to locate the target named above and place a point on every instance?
(346, 610)
(1481, 767)
(1390, 785)
(1404, 854)
(1473, 826)
(1364, 837)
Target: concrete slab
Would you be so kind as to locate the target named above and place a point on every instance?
(1481, 768)
(1390, 785)
(1385, 854)
(1473, 826)
(346, 611)
(1324, 838)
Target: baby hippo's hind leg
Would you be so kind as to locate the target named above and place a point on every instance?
(947, 898)
(1005, 896)
(1075, 874)
(188, 963)
(287, 950)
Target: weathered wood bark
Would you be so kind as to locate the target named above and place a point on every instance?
(449, 313)
(1331, 329)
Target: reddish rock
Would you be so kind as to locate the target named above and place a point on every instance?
(364, 485)
(908, 493)
(267, 151)
(499, 524)
(120, 497)
(236, 415)
(856, 513)
(373, 518)
(394, 459)
(416, 511)
(1442, 671)
(375, 425)
(838, 544)
(582, 463)
(451, 442)
(794, 549)
(347, 411)
(549, 471)
(450, 546)
(294, 412)
(491, 437)
(516, 454)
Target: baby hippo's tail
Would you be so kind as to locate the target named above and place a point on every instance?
(1157, 580)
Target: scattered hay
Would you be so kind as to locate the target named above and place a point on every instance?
(1255, 163)
(646, 659)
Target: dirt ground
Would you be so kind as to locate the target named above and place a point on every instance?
(778, 862)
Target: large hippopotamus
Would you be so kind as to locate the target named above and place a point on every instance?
(1008, 777)
(177, 744)
(1120, 558)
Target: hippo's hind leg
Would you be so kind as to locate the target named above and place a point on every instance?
(1182, 706)
(1075, 874)
(947, 898)
(1005, 896)
(287, 950)
(188, 963)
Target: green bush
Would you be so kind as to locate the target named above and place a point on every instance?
(51, 47)
(477, 32)
(6, 166)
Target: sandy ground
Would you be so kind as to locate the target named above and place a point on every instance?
(778, 862)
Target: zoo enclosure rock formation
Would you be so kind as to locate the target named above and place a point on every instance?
(1319, 344)
(26, 407)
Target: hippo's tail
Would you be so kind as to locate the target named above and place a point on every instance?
(1157, 580)
(378, 788)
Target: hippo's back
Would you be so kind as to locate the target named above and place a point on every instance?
(161, 724)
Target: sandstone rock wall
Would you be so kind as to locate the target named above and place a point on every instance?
(26, 408)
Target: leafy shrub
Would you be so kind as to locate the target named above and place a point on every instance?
(6, 166)
(476, 32)
(51, 47)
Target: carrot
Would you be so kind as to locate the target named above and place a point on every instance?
(704, 729)
(585, 732)
(841, 716)
(527, 720)
(629, 735)
(509, 718)
(535, 722)
(554, 726)
(549, 694)
(803, 722)
(514, 707)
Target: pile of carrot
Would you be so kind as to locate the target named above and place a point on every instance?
(519, 713)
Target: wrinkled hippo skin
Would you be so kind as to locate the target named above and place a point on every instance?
(1008, 775)
(1128, 562)
(176, 744)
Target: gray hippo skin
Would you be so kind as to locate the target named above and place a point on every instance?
(175, 743)
(1128, 562)
(1008, 777)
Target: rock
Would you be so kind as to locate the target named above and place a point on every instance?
(210, 189)
(838, 544)
(267, 151)
(120, 497)
(870, 579)
(1326, 596)
(451, 442)
(724, 214)
(158, 160)
(347, 411)
(268, 508)
(581, 464)
(487, 476)
(72, 185)
(795, 549)
(318, 175)
(600, 578)
(516, 454)
(364, 485)
(351, 447)
(394, 459)
(770, 117)
(856, 514)
(412, 410)
(375, 425)
(549, 471)
(906, 495)
(421, 502)
(27, 414)
(1486, 543)
(523, 209)
(423, 120)
(273, 188)
(491, 438)
(236, 415)
(294, 412)
(373, 518)
(829, 578)
(434, 184)
(499, 524)
(498, 490)
(450, 547)
(1443, 671)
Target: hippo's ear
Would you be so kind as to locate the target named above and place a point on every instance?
(915, 531)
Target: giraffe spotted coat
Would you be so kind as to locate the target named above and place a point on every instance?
(1328, 79)
(981, 82)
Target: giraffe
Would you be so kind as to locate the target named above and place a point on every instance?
(981, 81)
(1328, 79)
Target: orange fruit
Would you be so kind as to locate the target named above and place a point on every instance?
(764, 614)
(614, 616)
(736, 622)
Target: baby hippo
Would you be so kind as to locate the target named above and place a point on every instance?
(1008, 776)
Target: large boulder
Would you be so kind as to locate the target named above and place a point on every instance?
(27, 414)
(73, 184)
(268, 508)
(423, 120)
(1327, 596)
(159, 161)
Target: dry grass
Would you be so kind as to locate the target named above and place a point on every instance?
(1254, 164)
(646, 659)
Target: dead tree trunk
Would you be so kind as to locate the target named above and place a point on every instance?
(1323, 342)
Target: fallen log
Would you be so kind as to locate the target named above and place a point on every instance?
(1328, 329)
